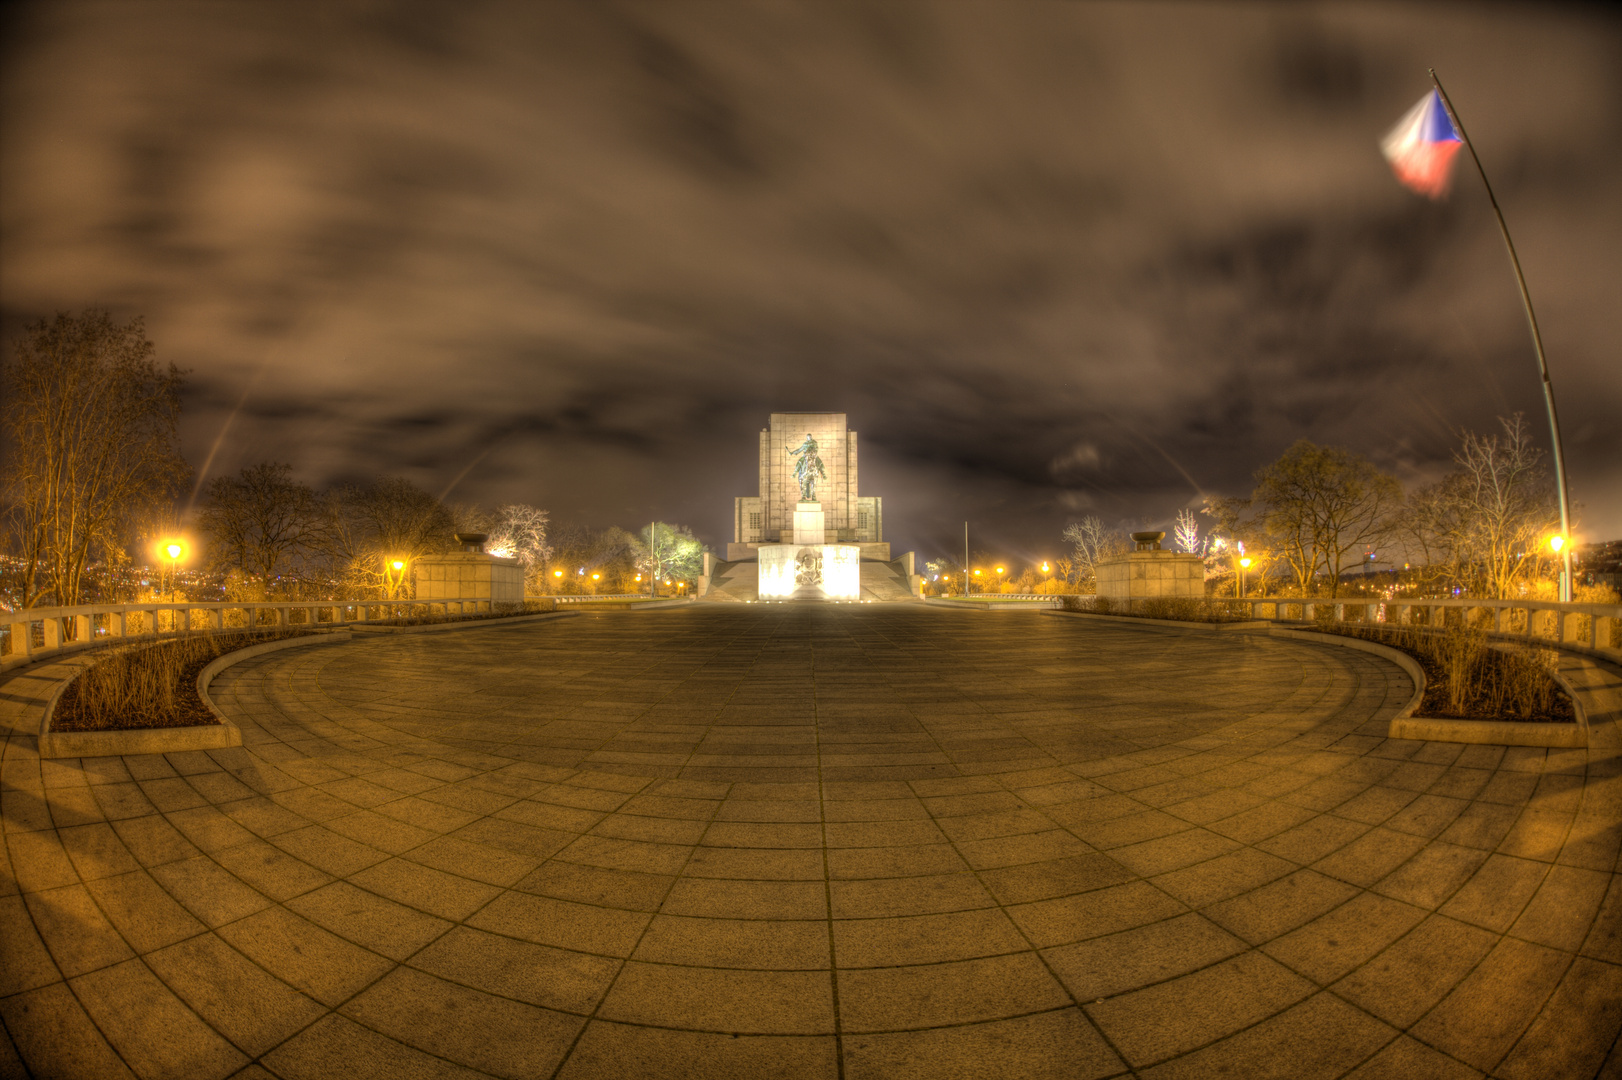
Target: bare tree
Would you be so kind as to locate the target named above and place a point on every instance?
(1319, 504)
(1090, 541)
(262, 522)
(90, 445)
(370, 529)
(1188, 531)
(1498, 508)
(518, 531)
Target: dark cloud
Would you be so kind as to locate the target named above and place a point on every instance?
(1051, 259)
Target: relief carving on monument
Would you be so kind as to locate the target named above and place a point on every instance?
(808, 567)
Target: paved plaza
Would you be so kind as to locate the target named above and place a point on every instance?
(805, 842)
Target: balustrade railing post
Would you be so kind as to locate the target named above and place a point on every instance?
(83, 630)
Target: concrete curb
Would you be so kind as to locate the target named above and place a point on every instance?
(664, 603)
(1158, 624)
(940, 603)
(469, 624)
(1405, 725)
(224, 734)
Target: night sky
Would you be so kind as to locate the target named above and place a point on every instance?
(1052, 259)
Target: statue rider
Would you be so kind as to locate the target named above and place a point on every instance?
(808, 469)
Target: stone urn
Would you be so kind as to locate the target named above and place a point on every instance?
(1148, 541)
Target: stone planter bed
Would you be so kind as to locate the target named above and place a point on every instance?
(1568, 732)
(195, 733)
(453, 622)
(1153, 621)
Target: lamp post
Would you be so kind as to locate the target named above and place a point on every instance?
(174, 551)
(1244, 564)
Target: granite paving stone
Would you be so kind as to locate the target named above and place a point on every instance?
(876, 842)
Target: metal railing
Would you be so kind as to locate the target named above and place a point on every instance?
(30, 634)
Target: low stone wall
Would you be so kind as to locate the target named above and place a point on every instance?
(470, 575)
(1145, 575)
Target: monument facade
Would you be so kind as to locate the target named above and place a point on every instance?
(808, 534)
(785, 464)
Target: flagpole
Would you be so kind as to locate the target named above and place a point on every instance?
(1537, 345)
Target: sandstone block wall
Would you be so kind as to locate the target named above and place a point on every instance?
(1141, 575)
(465, 575)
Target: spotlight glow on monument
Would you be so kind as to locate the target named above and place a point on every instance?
(808, 533)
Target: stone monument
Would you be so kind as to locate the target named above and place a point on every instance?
(808, 532)
(1146, 572)
(786, 463)
(470, 574)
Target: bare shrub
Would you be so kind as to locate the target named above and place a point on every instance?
(1468, 678)
(1174, 608)
(149, 685)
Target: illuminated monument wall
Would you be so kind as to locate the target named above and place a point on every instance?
(831, 547)
(768, 518)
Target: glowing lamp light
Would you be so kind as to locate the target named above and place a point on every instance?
(594, 577)
(558, 573)
(999, 569)
(1557, 542)
(1245, 562)
(174, 551)
(1046, 568)
(397, 564)
(977, 573)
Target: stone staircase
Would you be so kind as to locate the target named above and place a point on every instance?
(883, 581)
(738, 582)
(734, 582)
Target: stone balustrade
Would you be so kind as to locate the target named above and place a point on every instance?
(1593, 627)
(32, 633)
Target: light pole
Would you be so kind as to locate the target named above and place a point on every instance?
(173, 550)
(1244, 564)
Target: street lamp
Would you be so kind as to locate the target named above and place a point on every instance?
(1556, 542)
(173, 549)
(1046, 569)
(1244, 564)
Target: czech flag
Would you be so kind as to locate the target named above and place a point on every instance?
(1421, 147)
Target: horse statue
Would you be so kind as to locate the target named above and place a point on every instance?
(808, 470)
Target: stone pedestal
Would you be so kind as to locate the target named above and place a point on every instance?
(468, 575)
(810, 571)
(1145, 575)
(808, 523)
